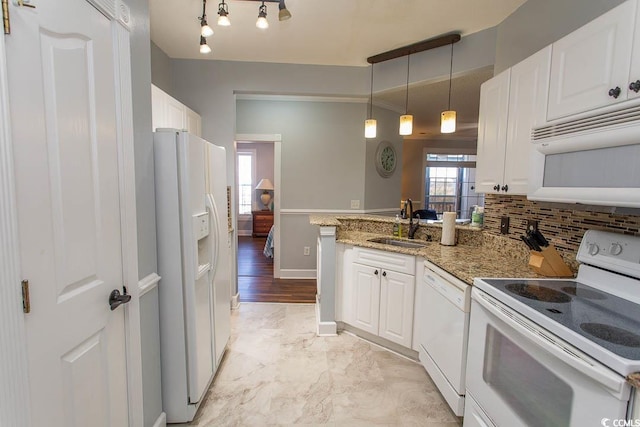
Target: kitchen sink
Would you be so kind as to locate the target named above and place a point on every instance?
(396, 242)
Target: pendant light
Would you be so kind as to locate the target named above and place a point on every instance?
(370, 124)
(448, 118)
(223, 12)
(262, 22)
(406, 120)
(283, 13)
(205, 29)
(204, 47)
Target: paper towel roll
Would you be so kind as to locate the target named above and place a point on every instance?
(448, 229)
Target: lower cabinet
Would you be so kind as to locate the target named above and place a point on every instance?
(381, 294)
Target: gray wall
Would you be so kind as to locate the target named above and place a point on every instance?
(383, 193)
(538, 23)
(160, 69)
(145, 205)
(323, 163)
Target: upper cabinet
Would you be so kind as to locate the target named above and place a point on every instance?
(168, 112)
(592, 66)
(511, 104)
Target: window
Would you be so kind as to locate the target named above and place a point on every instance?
(246, 181)
(450, 184)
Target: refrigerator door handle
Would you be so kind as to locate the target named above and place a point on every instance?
(213, 229)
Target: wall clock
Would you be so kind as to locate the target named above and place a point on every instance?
(386, 159)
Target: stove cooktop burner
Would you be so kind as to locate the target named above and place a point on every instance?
(538, 292)
(612, 334)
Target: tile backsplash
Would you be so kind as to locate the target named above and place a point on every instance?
(561, 225)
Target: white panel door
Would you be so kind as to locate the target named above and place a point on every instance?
(492, 133)
(63, 110)
(591, 61)
(366, 297)
(396, 307)
(528, 92)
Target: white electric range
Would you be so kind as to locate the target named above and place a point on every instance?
(556, 352)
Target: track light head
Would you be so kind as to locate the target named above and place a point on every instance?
(262, 22)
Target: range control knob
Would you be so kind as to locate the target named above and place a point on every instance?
(615, 249)
(593, 249)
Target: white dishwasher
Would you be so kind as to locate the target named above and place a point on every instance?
(444, 302)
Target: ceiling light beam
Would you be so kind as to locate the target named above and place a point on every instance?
(413, 48)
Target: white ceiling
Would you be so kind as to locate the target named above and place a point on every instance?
(341, 32)
(327, 32)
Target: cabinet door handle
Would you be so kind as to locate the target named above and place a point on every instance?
(615, 92)
(635, 86)
(505, 188)
(384, 274)
(496, 187)
(375, 272)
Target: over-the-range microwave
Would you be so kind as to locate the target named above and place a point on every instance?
(592, 160)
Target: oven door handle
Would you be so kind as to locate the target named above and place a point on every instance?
(566, 353)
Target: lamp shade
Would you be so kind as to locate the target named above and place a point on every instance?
(370, 128)
(406, 124)
(448, 122)
(264, 184)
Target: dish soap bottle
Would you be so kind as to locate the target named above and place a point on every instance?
(397, 230)
(477, 217)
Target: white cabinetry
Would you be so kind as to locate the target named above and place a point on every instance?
(511, 104)
(168, 112)
(381, 294)
(590, 67)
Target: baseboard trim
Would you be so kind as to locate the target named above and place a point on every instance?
(297, 274)
(325, 329)
(161, 421)
(245, 233)
(235, 301)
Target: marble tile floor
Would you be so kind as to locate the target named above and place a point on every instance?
(277, 372)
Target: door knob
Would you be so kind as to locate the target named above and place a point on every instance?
(635, 86)
(375, 272)
(384, 274)
(615, 92)
(505, 188)
(496, 187)
(116, 299)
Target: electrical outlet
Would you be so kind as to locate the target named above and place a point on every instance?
(355, 204)
(532, 226)
(307, 250)
(504, 225)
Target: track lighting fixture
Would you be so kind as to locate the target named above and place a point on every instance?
(223, 12)
(406, 120)
(448, 118)
(370, 124)
(262, 22)
(283, 13)
(204, 47)
(205, 29)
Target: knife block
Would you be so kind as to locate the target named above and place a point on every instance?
(548, 262)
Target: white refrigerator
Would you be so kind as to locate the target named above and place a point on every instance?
(194, 266)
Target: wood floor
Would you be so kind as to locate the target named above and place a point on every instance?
(255, 277)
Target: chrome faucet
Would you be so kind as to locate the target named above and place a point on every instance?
(412, 227)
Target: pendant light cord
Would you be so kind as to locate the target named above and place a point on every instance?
(450, 74)
(406, 102)
(371, 94)
(204, 6)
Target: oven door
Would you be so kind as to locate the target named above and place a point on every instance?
(521, 374)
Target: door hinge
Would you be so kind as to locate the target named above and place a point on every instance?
(5, 16)
(26, 302)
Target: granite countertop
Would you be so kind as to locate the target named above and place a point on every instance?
(462, 261)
